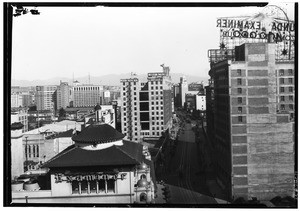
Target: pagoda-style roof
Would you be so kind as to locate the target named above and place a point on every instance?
(98, 133)
(130, 153)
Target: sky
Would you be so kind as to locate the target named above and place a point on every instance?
(67, 41)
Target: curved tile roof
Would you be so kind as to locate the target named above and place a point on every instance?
(96, 133)
(130, 153)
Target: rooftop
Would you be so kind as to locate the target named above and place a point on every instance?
(130, 153)
(98, 133)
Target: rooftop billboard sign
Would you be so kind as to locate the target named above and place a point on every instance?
(236, 28)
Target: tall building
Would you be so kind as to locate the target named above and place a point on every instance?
(16, 100)
(146, 107)
(87, 95)
(183, 89)
(20, 115)
(252, 119)
(44, 97)
(176, 96)
(64, 95)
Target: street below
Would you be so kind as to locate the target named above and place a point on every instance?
(184, 170)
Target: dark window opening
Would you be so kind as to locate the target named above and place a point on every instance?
(145, 125)
(111, 186)
(144, 96)
(144, 116)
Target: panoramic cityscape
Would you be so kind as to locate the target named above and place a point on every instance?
(152, 105)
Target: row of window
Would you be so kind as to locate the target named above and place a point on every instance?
(31, 151)
(281, 72)
(290, 89)
(282, 80)
(156, 87)
(283, 98)
(94, 186)
(86, 88)
(156, 82)
(283, 106)
(124, 83)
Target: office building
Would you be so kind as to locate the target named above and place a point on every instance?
(64, 95)
(87, 95)
(250, 122)
(183, 89)
(44, 97)
(146, 107)
(16, 100)
(176, 96)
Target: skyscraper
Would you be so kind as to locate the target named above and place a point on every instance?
(183, 89)
(146, 108)
(44, 97)
(63, 95)
(253, 122)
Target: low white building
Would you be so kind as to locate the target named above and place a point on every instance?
(100, 167)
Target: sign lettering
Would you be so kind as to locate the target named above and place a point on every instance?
(59, 177)
(233, 28)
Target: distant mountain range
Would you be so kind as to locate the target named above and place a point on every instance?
(110, 80)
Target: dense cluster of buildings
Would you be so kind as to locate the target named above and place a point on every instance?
(61, 152)
(248, 107)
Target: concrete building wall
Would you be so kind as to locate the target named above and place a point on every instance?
(146, 107)
(201, 102)
(87, 95)
(63, 95)
(17, 167)
(183, 88)
(16, 100)
(44, 97)
(270, 143)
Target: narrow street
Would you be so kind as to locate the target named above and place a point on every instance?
(184, 171)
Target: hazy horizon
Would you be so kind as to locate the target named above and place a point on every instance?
(79, 41)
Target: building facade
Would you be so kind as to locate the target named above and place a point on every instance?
(64, 95)
(17, 167)
(253, 123)
(146, 107)
(100, 167)
(176, 96)
(20, 115)
(183, 89)
(44, 97)
(87, 95)
(16, 100)
(201, 102)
